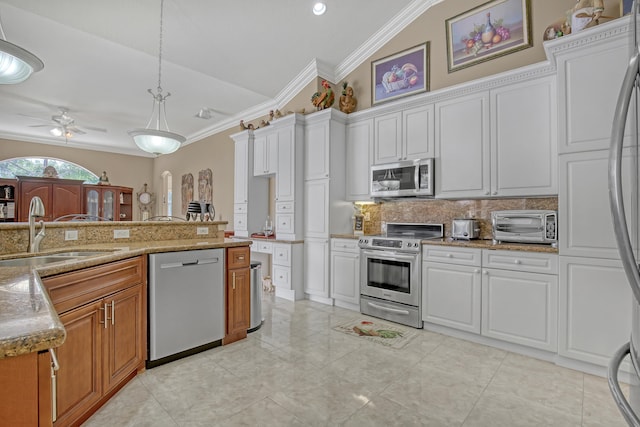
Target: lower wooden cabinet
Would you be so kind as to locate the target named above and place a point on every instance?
(238, 294)
(26, 390)
(103, 310)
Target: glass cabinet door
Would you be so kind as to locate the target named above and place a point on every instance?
(108, 204)
(92, 203)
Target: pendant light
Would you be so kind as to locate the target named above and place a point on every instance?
(16, 63)
(158, 141)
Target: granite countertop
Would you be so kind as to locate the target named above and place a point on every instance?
(28, 320)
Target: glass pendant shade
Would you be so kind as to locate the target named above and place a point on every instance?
(156, 141)
(16, 63)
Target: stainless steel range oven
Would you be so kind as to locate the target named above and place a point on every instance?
(390, 272)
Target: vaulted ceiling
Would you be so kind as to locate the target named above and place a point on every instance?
(236, 59)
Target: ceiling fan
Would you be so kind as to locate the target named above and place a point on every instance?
(64, 125)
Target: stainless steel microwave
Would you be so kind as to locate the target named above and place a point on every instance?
(525, 226)
(409, 178)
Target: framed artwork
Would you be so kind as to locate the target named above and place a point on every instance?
(491, 30)
(404, 73)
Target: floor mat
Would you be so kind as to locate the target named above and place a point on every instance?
(388, 334)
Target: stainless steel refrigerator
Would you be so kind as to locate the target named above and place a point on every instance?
(628, 244)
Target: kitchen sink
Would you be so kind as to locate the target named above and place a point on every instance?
(47, 259)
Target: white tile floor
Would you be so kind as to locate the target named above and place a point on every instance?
(297, 371)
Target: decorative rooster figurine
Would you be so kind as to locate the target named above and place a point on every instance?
(325, 99)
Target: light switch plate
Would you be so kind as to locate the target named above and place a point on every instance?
(202, 230)
(120, 234)
(71, 235)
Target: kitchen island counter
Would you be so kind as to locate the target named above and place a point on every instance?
(28, 320)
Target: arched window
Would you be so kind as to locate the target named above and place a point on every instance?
(34, 166)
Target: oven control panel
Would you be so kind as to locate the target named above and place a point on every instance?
(381, 243)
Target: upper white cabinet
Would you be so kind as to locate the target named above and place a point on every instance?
(404, 135)
(524, 148)
(492, 144)
(589, 81)
(265, 159)
(359, 155)
(463, 149)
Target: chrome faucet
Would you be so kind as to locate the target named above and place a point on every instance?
(36, 209)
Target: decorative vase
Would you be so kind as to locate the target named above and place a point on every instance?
(488, 32)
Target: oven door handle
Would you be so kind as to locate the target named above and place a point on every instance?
(391, 310)
(390, 255)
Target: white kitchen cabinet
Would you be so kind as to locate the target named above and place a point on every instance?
(326, 211)
(463, 149)
(404, 135)
(265, 160)
(491, 144)
(519, 302)
(451, 285)
(250, 194)
(316, 261)
(589, 78)
(595, 309)
(345, 273)
(287, 267)
(359, 158)
(524, 147)
(585, 227)
(451, 295)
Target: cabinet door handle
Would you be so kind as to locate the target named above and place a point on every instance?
(106, 315)
(113, 312)
(241, 258)
(54, 385)
(233, 275)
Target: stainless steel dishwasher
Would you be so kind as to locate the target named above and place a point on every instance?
(186, 303)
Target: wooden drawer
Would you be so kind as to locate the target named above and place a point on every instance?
(71, 290)
(451, 255)
(345, 245)
(533, 262)
(282, 255)
(238, 257)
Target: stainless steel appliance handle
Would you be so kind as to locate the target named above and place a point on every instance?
(612, 375)
(390, 310)
(390, 255)
(615, 176)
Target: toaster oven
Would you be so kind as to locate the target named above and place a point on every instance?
(525, 226)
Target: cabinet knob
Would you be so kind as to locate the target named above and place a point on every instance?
(485, 272)
(487, 193)
(449, 256)
(517, 261)
(495, 193)
(477, 270)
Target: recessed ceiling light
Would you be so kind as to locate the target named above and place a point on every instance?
(319, 8)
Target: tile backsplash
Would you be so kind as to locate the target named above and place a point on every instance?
(444, 211)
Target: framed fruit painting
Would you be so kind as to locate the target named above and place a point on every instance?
(402, 74)
(486, 32)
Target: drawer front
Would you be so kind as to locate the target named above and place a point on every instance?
(452, 255)
(240, 222)
(71, 290)
(262, 247)
(282, 255)
(284, 223)
(345, 245)
(238, 257)
(284, 207)
(240, 208)
(521, 261)
(281, 276)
